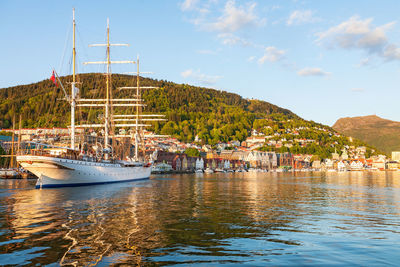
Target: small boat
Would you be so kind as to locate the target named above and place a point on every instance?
(8, 173)
(199, 171)
(208, 170)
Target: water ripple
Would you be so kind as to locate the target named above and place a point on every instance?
(251, 219)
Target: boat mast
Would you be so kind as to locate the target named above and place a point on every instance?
(12, 144)
(107, 106)
(73, 102)
(19, 134)
(139, 109)
(137, 112)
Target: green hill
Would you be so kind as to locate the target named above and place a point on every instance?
(213, 115)
(381, 133)
(190, 110)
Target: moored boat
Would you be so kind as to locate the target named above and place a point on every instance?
(208, 170)
(73, 166)
(8, 173)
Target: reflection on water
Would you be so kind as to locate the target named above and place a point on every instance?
(256, 219)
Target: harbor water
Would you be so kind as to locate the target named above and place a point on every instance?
(252, 219)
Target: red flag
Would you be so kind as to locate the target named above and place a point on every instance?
(53, 78)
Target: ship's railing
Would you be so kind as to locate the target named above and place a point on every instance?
(46, 150)
(71, 156)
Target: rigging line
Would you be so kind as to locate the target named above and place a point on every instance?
(70, 65)
(60, 67)
(111, 102)
(53, 101)
(133, 92)
(82, 43)
(96, 94)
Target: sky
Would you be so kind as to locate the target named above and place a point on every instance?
(323, 60)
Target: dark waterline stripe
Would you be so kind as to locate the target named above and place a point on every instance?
(87, 184)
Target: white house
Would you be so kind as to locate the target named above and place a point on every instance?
(199, 164)
(356, 165)
(227, 164)
(329, 164)
(342, 166)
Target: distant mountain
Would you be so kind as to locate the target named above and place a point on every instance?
(382, 133)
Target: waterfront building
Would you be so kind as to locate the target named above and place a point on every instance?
(273, 159)
(169, 158)
(379, 163)
(329, 163)
(396, 156)
(285, 159)
(342, 166)
(184, 162)
(226, 154)
(392, 165)
(178, 164)
(199, 164)
(227, 165)
(356, 165)
(316, 164)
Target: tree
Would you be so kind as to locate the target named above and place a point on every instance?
(169, 128)
(192, 152)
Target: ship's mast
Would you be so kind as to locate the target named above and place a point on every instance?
(139, 118)
(107, 107)
(137, 112)
(109, 102)
(12, 144)
(73, 101)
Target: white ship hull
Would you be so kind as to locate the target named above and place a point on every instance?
(59, 172)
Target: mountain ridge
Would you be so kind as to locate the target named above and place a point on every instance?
(382, 133)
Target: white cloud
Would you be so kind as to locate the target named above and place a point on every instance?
(232, 19)
(187, 73)
(251, 58)
(356, 33)
(313, 72)
(391, 52)
(231, 39)
(235, 18)
(272, 54)
(189, 5)
(200, 77)
(300, 17)
(364, 62)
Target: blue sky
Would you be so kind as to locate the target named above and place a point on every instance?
(321, 59)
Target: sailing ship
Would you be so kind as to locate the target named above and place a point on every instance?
(58, 166)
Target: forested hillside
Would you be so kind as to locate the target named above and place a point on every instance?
(212, 115)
